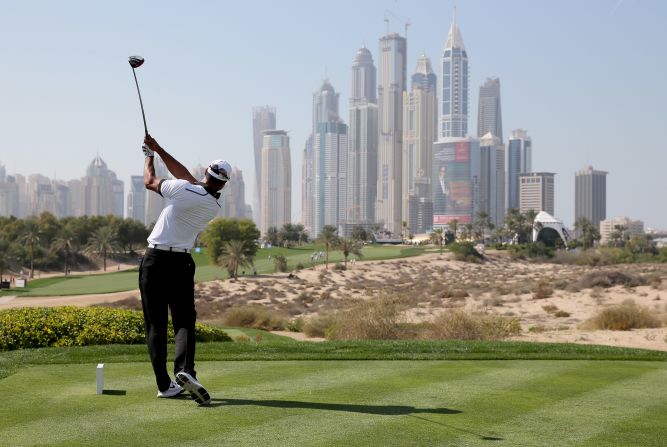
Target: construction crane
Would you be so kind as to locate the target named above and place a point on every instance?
(406, 23)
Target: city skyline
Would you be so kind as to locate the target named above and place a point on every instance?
(573, 119)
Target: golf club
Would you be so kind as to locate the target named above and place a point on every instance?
(136, 62)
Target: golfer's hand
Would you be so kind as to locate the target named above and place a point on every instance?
(151, 143)
(147, 151)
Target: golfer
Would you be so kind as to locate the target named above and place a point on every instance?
(166, 275)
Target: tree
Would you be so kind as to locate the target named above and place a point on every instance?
(234, 256)
(328, 238)
(520, 225)
(64, 244)
(404, 230)
(271, 236)
(221, 230)
(453, 226)
(31, 238)
(619, 236)
(4, 257)
(280, 263)
(103, 243)
(359, 233)
(349, 246)
(466, 233)
(437, 238)
(482, 223)
(586, 232)
(131, 233)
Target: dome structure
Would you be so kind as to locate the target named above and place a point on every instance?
(363, 57)
(97, 168)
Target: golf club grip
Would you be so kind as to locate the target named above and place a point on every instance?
(141, 103)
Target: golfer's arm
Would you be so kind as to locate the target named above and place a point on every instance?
(151, 182)
(175, 167)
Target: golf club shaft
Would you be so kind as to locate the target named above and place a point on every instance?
(141, 103)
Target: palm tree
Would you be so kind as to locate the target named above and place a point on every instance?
(234, 256)
(66, 244)
(587, 232)
(437, 237)
(103, 242)
(31, 238)
(349, 246)
(404, 230)
(453, 226)
(482, 222)
(328, 238)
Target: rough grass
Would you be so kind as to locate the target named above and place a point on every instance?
(623, 317)
(257, 317)
(460, 325)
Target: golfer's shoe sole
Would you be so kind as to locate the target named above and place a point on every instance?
(196, 389)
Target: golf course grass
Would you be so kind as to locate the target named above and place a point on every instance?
(50, 397)
(206, 270)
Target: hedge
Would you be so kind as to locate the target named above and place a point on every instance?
(37, 327)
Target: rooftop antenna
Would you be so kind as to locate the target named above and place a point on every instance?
(386, 21)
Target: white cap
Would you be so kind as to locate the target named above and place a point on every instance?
(220, 169)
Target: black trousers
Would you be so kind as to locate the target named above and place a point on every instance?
(166, 282)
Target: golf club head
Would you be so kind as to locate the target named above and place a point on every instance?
(136, 61)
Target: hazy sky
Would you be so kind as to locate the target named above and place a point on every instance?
(585, 78)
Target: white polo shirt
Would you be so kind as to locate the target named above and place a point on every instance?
(189, 209)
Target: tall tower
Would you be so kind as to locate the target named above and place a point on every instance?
(489, 117)
(419, 133)
(519, 161)
(492, 178)
(276, 193)
(329, 155)
(392, 84)
(536, 192)
(362, 141)
(263, 118)
(136, 199)
(590, 195)
(454, 86)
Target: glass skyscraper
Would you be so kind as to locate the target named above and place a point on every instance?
(519, 161)
(453, 86)
(489, 117)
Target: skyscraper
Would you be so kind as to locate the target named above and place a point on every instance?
(419, 133)
(9, 194)
(519, 161)
(276, 193)
(307, 185)
(233, 196)
(489, 117)
(454, 86)
(102, 191)
(492, 178)
(329, 155)
(155, 202)
(590, 195)
(263, 118)
(136, 199)
(392, 84)
(536, 192)
(362, 141)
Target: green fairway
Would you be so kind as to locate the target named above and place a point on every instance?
(344, 403)
(206, 271)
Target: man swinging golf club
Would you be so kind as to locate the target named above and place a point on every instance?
(166, 275)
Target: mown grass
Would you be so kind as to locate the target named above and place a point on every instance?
(206, 271)
(344, 403)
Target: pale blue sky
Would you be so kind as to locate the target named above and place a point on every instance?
(585, 78)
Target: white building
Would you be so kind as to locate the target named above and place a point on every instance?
(536, 192)
(276, 193)
(625, 225)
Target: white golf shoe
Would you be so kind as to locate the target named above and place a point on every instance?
(173, 390)
(196, 389)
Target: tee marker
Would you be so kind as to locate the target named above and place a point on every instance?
(100, 378)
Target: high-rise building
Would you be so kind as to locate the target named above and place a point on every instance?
(102, 191)
(626, 226)
(76, 197)
(489, 117)
(136, 199)
(63, 197)
(536, 192)
(391, 85)
(590, 195)
(233, 196)
(362, 141)
(453, 112)
(307, 185)
(492, 178)
(276, 193)
(455, 174)
(519, 161)
(263, 118)
(9, 194)
(419, 133)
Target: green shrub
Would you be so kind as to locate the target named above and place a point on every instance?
(317, 326)
(37, 327)
(534, 250)
(465, 251)
(256, 317)
(339, 267)
(606, 279)
(623, 317)
(295, 325)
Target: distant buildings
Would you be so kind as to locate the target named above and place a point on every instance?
(492, 178)
(362, 166)
(536, 192)
(136, 199)
(419, 133)
(590, 195)
(391, 85)
(263, 118)
(453, 121)
(489, 112)
(276, 192)
(519, 161)
(233, 197)
(625, 226)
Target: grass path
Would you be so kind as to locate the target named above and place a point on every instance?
(345, 403)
